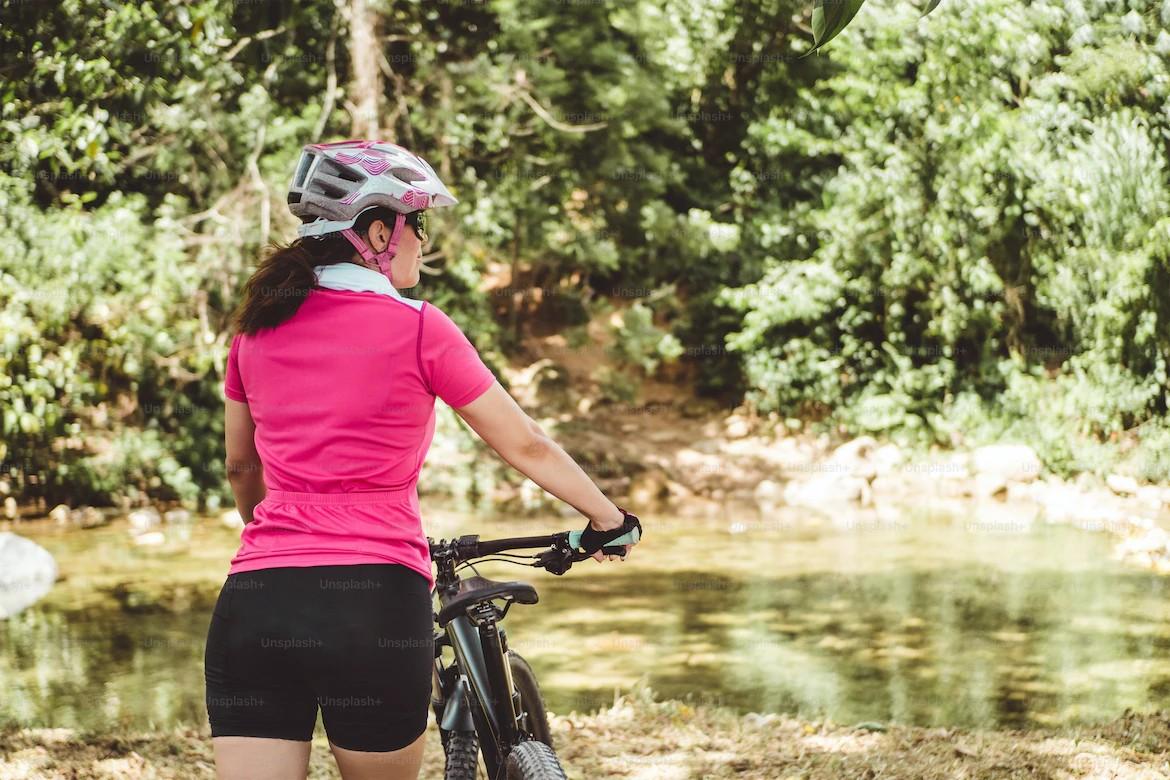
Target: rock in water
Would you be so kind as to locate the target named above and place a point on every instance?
(769, 495)
(1017, 462)
(1122, 485)
(143, 520)
(27, 572)
(88, 517)
(150, 539)
(857, 449)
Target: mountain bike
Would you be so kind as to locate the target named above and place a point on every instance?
(486, 699)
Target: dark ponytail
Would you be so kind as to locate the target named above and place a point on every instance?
(285, 276)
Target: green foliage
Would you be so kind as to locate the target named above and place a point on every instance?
(638, 342)
(990, 260)
(943, 229)
(100, 341)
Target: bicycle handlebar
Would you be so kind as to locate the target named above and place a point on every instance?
(492, 546)
(562, 549)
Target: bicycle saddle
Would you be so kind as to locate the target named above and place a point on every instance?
(474, 590)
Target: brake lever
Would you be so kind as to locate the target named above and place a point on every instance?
(568, 549)
(558, 559)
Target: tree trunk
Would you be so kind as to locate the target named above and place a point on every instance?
(366, 98)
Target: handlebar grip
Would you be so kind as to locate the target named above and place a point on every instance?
(630, 537)
(590, 541)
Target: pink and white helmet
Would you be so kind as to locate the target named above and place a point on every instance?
(336, 182)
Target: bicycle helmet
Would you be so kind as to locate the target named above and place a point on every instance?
(336, 182)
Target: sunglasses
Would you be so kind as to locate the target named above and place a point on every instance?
(418, 222)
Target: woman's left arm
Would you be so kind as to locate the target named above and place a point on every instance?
(245, 472)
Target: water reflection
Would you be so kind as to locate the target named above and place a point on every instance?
(928, 621)
(98, 669)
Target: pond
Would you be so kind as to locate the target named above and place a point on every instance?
(921, 619)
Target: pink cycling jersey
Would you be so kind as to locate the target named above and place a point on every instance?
(343, 397)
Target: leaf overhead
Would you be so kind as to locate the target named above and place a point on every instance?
(829, 18)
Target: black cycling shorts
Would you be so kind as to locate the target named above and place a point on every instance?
(355, 640)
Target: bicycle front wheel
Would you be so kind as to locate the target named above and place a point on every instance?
(531, 760)
(462, 756)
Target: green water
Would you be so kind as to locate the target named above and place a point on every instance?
(926, 620)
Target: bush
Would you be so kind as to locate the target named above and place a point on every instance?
(991, 258)
(109, 364)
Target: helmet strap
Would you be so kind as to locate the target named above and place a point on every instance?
(384, 257)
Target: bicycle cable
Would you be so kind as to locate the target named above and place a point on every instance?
(492, 556)
(524, 560)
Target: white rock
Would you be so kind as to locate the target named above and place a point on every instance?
(27, 572)
(177, 516)
(1022, 491)
(1091, 510)
(60, 514)
(10, 511)
(737, 428)
(955, 466)
(232, 519)
(88, 517)
(865, 470)
(1017, 462)
(827, 490)
(851, 459)
(1150, 495)
(1139, 523)
(893, 485)
(861, 448)
(143, 520)
(887, 458)
(1122, 485)
(990, 485)
(1152, 543)
(768, 494)
(150, 539)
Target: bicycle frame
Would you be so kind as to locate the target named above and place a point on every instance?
(475, 692)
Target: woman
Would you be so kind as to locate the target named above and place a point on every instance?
(331, 383)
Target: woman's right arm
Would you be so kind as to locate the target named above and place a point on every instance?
(519, 440)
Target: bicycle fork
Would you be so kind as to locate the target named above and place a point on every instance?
(475, 693)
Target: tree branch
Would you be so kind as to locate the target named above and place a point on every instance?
(552, 122)
(242, 42)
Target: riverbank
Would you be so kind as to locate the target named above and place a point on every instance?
(643, 739)
(684, 458)
(670, 453)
